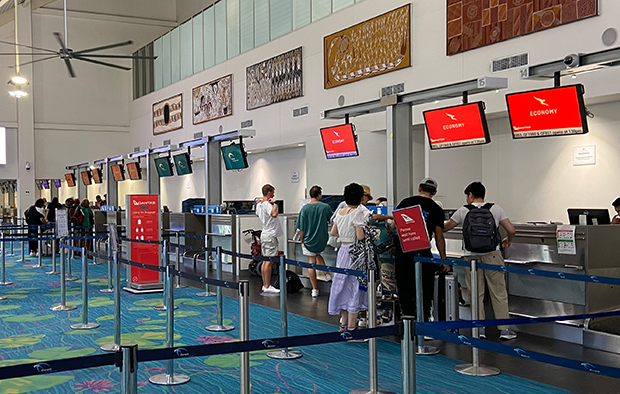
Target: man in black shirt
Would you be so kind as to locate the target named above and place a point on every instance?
(405, 264)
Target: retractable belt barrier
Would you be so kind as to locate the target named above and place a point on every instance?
(141, 241)
(63, 365)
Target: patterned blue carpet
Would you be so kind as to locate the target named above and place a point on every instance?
(31, 332)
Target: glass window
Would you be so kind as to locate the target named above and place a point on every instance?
(281, 17)
(197, 40)
(261, 22)
(175, 55)
(159, 62)
(208, 21)
(232, 22)
(340, 4)
(321, 8)
(166, 61)
(220, 31)
(301, 13)
(246, 13)
(187, 63)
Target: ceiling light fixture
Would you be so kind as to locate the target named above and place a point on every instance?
(18, 80)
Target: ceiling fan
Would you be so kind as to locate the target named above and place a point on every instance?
(67, 54)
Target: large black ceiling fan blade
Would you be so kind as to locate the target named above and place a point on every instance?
(70, 68)
(26, 46)
(103, 48)
(35, 61)
(60, 40)
(101, 63)
(120, 56)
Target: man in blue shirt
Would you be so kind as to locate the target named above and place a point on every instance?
(313, 229)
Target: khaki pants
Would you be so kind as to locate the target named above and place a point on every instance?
(495, 282)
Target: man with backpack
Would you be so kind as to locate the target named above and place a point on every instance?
(481, 242)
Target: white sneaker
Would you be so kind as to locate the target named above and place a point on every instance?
(315, 293)
(271, 290)
(328, 278)
(33, 254)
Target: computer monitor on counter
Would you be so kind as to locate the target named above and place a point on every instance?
(593, 216)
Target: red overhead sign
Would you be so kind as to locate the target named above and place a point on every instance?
(412, 229)
(144, 225)
(547, 112)
(339, 141)
(460, 125)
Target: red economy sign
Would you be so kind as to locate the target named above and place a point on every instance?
(144, 225)
(460, 125)
(411, 229)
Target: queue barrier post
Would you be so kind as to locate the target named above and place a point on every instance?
(283, 354)
(3, 281)
(23, 242)
(63, 291)
(113, 347)
(169, 378)
(408, 355)
(129, 368)
(422, 350)
(39, 249)
(110, 288)
(219, 326)
(244, 335)
(372, 342)
(85, 325)
(71, 257)
(94, 233)
(179, 263)
(12, 234)
(475, 369)
(166, 261)
(205, 293)
(54, 247)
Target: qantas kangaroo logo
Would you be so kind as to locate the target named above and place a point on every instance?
(406, 218)
(337, 135)
(542, 101)
(453, 117)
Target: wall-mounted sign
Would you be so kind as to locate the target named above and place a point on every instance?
(275, 80)
(374, 47)
(212, 100)
(168, 115)
(295, 177)
(584, 155)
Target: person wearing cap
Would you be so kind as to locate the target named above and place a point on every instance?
(405, 264)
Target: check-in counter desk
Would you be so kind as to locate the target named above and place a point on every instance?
(187, 223)
(535, 247)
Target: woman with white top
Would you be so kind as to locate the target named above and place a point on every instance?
(346, 298)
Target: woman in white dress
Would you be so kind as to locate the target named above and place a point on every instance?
(346, 298)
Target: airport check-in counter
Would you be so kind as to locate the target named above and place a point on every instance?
(535, 247)
(187, 223)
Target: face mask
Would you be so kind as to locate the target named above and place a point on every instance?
(40, 210)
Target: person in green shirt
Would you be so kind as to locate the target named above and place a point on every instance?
(313, 229)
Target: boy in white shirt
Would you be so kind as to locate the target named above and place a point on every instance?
(267, 212)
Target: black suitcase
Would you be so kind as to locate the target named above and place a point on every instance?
(446, 297)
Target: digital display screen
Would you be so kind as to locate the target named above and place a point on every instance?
(182, 164)
(339, 141)
(86, 177)
(133, 169)
(70, 178)
(46, 184)
(164, 169)
(57, 183)
(459, 125)
(234, 157)
(118, 173)
(97, 176)
(547, 112)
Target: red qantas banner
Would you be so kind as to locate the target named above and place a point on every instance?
(339, 141)
(411, 229)
(144, 224)
(457, 126)
(547, 112)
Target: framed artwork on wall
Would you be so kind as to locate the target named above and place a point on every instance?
(213, 100)
(275, 80)
(377, 46)
(168, 115)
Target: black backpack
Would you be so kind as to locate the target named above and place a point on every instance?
(480, 233)
(293, 283)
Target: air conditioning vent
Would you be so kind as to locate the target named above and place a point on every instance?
(297, 112)
(394, 89)
(510, 62)
(247, 124)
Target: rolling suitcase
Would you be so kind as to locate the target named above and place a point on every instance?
(446, 297)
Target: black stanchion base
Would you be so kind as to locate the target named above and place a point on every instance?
(61, 308)
(6, 283)
(52, 273)
(481, 370)
(219, 328)
(427, 350)
(284, 354)
(87, 326)
(106, 290)
(169, 380)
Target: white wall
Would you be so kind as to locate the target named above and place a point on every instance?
(178, 188)
(9, 170)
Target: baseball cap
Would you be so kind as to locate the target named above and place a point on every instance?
(367, 191)
(429, 182)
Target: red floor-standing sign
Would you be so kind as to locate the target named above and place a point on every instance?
(412, 229)
(143, 224)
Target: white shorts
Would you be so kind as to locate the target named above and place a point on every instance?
(269, 245)
(306, 252)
